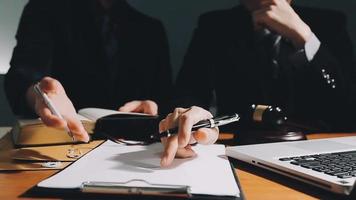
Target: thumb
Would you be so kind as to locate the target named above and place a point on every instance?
(77, 129)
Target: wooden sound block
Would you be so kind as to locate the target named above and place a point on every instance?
(258, 136)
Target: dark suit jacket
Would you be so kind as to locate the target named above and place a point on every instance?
(62, 39)
(223, 57)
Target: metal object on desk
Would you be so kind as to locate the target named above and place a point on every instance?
(4, 131)
(52, 164)
(74, 152)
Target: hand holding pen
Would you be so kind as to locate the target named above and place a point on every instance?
(179, 140)
(55, 108)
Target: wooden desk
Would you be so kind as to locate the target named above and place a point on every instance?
(256, 183)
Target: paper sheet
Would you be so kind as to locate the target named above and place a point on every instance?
(208, 173)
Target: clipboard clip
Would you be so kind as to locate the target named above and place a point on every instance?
(136, 187)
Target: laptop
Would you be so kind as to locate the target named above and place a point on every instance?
(326, 163)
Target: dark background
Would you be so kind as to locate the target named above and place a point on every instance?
(180, 17)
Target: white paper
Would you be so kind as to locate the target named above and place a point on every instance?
(208, 173)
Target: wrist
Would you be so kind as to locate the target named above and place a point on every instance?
(303, 33)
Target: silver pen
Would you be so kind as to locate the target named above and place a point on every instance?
(51, 107)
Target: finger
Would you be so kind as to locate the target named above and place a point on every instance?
(261, 17)
(192, 139)
(150, 110)
(130, 106)
(178, 111)
(164, 141)
(186, 152)
(77, 129)
(150, 107)
(169, 151)
(266, 3)
(206, 135)
(49, 119)
(187, 120)
(267, 18)
(171, 120)
(263, 23)
(49, 85)
(184, 129)
(162, 125)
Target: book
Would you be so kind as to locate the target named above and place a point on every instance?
(33, 132)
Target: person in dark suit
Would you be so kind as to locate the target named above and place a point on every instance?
(263, 52)
(88, 53)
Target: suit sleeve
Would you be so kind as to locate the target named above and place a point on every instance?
(194, 84)
(32, 55)
(325, 83)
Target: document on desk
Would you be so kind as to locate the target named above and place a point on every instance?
(209, 173)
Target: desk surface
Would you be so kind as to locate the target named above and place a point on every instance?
(256, 183)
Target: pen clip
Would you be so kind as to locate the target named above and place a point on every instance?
(226, 120)
(37, 89)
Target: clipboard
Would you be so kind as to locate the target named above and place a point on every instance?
(107, 190)
(146, 183)
(158, 191)
(124, 188)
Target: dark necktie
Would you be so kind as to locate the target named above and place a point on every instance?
(110, 46)
(272, 45)
(109, 40)
(275, 83)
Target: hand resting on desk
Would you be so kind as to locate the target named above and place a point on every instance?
(56, 93)
(147, 107)
(179, 145)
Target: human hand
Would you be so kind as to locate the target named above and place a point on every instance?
(279, 16)
(147, 107)
(58, 97)
(179, 145)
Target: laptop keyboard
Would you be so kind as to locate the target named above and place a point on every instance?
(340, 164)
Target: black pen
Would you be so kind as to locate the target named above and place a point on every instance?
(208, 123)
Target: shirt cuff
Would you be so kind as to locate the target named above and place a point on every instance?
(311, 47)
(305, 55)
